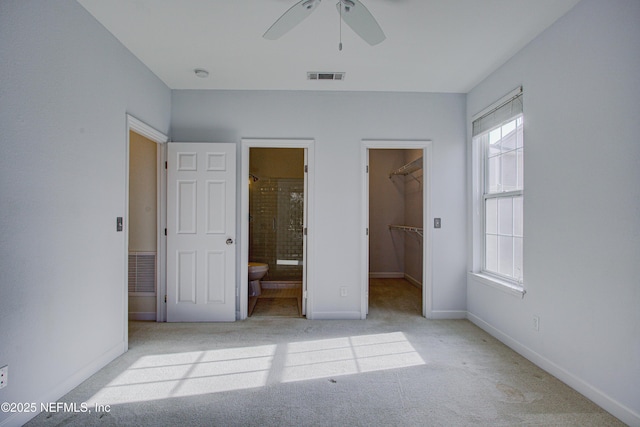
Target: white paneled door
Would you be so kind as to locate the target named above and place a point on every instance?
(201, 228)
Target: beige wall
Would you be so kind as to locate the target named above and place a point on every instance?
(413, 207)
(277, 162)
(386, 206)
(142, 212)
(142, 194)
(397, 200)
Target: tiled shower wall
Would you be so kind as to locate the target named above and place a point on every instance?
(276, 210)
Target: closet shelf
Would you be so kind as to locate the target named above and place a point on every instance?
(417, 230)
(408, 169)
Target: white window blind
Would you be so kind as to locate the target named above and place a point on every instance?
(503, 112)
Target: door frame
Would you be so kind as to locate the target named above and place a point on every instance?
(141, 128)
(427, 270)
(243, 270)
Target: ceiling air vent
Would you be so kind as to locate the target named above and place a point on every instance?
(321, 75)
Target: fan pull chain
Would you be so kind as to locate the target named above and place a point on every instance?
(340, 26)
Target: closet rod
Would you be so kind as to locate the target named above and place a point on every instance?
(409, 168)
(416, 230)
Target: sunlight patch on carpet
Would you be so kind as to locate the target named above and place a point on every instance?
(166, 376)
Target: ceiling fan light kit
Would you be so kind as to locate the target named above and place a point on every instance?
(352, 12)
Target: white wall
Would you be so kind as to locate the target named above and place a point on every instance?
(581, 82)
(66, 87)
(338, 121)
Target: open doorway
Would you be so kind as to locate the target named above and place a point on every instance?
(396, 230)
(279, 175)
(142, 227)
(276, 231)
(146, 305)
(396, 247)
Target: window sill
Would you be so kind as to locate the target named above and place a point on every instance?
(502, 285)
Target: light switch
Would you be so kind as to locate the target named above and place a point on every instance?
(437, 222)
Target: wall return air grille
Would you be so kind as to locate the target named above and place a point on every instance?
(142, 272)
(325, 75)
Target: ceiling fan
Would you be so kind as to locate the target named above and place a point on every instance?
(352, 12)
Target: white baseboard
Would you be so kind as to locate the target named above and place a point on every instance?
(625, 414)
(448, 314)
(69, 384)
(386, 275)
(415, 282)
(142, 315)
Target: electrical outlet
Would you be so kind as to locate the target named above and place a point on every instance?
(343, 291)
(536, 323)
(4, 376)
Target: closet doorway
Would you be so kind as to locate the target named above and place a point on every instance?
(396, 248)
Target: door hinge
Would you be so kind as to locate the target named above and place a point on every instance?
(166, 166)
(304, 231)
(306, 168)
(367, 231)
(367, 167)
(165, 231)
(165, 299)
(304, 295)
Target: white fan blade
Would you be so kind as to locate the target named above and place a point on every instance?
(361, 21)
(292, 17)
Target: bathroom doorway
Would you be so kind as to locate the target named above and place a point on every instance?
(397, 244)
(276, 230)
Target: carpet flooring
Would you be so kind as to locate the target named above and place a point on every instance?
(393, 369)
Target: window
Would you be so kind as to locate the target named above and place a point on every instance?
(499, 140)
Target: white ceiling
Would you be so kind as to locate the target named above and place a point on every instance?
(431, 45)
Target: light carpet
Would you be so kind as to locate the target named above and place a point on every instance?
(393, 369)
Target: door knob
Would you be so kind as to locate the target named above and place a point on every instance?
(229, 241)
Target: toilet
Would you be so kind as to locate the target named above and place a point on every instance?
(257, 270)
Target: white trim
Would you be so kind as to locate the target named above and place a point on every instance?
(427, 271)
(617, 409)
(386, 275)
(243, 279)
(53, 395)
(501, 285)
(141, 128)
(413, 281)
(145, 130)
(448, 314)
(161, 239)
